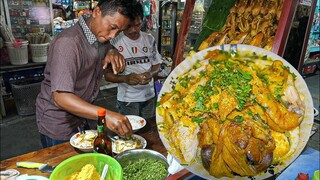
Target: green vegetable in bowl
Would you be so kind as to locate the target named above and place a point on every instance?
(145, 169)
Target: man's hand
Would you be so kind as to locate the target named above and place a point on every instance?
(134, 79)
(118, 123)
(116, 59)
(146, 78)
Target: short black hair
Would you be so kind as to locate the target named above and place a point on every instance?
(138, 10)
(124, 7)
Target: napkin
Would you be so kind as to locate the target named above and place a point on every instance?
(174, 166)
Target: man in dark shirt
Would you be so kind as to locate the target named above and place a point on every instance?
(76, 59)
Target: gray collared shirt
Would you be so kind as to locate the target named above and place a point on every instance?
(74, 65)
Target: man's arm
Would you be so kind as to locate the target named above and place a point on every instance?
(154, 70)
(116, 122)
(75, 105)
(115, 78)
(132, 79)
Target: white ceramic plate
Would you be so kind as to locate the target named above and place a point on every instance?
(82, 146)
(32, 177)
(305, 126)
(137, 122)
(143, 142)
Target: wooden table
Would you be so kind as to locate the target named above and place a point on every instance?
(56, 154)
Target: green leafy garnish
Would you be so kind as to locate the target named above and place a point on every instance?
(197, 120)
(238, 119)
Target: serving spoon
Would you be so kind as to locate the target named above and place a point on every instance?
(104, 172)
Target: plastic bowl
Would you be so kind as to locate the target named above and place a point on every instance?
(132, 155)
(75, 163)
(137, 122)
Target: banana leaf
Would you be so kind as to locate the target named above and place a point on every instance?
(215, 19)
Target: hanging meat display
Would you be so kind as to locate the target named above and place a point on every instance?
(252, 22)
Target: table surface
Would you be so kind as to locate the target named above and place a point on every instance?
(56, 154)
(308, 162)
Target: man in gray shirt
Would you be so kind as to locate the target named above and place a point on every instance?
(76, 59)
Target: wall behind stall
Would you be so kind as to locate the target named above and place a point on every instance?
(156, 31)
(153, 18)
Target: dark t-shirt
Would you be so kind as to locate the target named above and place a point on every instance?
(73, 66)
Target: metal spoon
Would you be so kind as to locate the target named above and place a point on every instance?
(113, 139)
(81, 129)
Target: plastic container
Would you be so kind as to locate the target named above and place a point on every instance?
(25, 93)
(18, 52)
(75, 163)
(39, 52)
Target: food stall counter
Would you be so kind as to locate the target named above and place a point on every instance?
(56, 154)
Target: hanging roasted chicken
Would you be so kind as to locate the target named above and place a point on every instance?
(252, 22)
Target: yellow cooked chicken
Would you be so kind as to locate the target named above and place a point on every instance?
(241, 112)
(249, 22)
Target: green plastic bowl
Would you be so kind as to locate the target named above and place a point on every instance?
(75, 163)
(316, 175)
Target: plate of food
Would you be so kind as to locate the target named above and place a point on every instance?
(120, 145)
(136, 122)
(234, 111)
(84, 142)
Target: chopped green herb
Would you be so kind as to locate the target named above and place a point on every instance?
(184, 82)
(197, 65)
(238, 119)
(197, 120)
(202, 73)
(265, 57)
(200, 106)
(145, 169)
(269, 96)
(263, 78)
(158, 104)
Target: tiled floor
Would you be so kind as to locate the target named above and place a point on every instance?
(19, 134)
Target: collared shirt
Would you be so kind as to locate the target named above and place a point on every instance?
(87, 32)
(75, 66)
